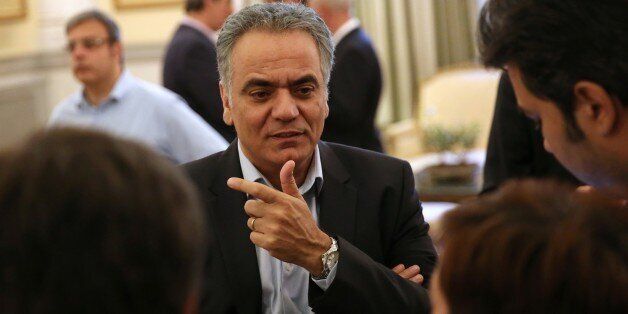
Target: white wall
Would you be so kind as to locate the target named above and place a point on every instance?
(32, 85)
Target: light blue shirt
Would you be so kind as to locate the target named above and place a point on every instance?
(284, 285)
(147, 113)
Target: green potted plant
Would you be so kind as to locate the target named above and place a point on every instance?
(458, 141)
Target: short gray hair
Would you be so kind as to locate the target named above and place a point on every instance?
(273, 17)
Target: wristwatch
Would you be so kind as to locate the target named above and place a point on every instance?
(329, 258)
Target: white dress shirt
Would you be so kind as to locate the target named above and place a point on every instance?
(284, 285)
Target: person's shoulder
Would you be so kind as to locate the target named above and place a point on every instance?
(185, 41)
(200, 170)
(67, 105)
(186, 38)
(157, 94)
(350, 155)
(356, 47)
(184, 34)
(369, 168)
(356, 39)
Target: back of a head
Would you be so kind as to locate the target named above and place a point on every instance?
(556, 43)
(535, 247)
(94, 224)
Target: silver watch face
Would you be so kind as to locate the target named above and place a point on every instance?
(331, 259)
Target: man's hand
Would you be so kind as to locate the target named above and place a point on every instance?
(412, 273)
(281, 223)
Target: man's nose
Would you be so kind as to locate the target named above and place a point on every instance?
(286, 107)
(78, 51)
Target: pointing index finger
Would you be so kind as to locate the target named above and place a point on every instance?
(257, 190)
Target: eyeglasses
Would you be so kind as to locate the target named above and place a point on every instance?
(88, 43)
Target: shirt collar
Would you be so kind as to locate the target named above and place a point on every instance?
(345, 29)
(208, 32)
(314, 175)
(122, 86)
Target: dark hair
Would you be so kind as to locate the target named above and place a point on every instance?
(94, 224)
(194, 5)
(535, 247)
(556, 43)
(112, 28)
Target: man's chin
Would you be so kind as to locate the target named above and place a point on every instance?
(84, 77)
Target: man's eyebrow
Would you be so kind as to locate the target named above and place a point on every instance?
(306, 79)
(256, 83)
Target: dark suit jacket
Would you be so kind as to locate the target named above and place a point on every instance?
(515, 145)
(191, 70)
(354, 90)
(367, 201)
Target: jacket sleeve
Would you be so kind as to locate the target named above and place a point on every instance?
(509, 153)
(201, 75)
(350, 89)
(363, 285)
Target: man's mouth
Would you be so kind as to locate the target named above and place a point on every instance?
(81, 67)
(287, 134)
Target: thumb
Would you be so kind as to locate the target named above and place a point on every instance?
(288, 183)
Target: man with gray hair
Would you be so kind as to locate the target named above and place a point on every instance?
(356, 81)
(299, 225)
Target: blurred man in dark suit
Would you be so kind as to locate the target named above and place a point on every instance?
(190, 68)
(356, 79)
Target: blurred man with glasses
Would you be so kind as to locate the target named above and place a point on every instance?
(114, 101)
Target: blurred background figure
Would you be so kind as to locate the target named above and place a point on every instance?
(533, 247)
(515, 145)
(113, 100)
(190, 67)
(94, 224)
(356, 79)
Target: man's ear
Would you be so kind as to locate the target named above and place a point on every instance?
(116, 47)
(595, 111)
(226, 105)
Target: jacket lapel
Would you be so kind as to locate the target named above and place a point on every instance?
(338, 197)
(237, 249)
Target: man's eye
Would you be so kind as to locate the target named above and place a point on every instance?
(305, 90)
(260, 95)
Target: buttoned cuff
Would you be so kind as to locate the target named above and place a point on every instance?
(325, 283)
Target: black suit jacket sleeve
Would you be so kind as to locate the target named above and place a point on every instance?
(364, 285)
(348, 96)
(202, 76)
